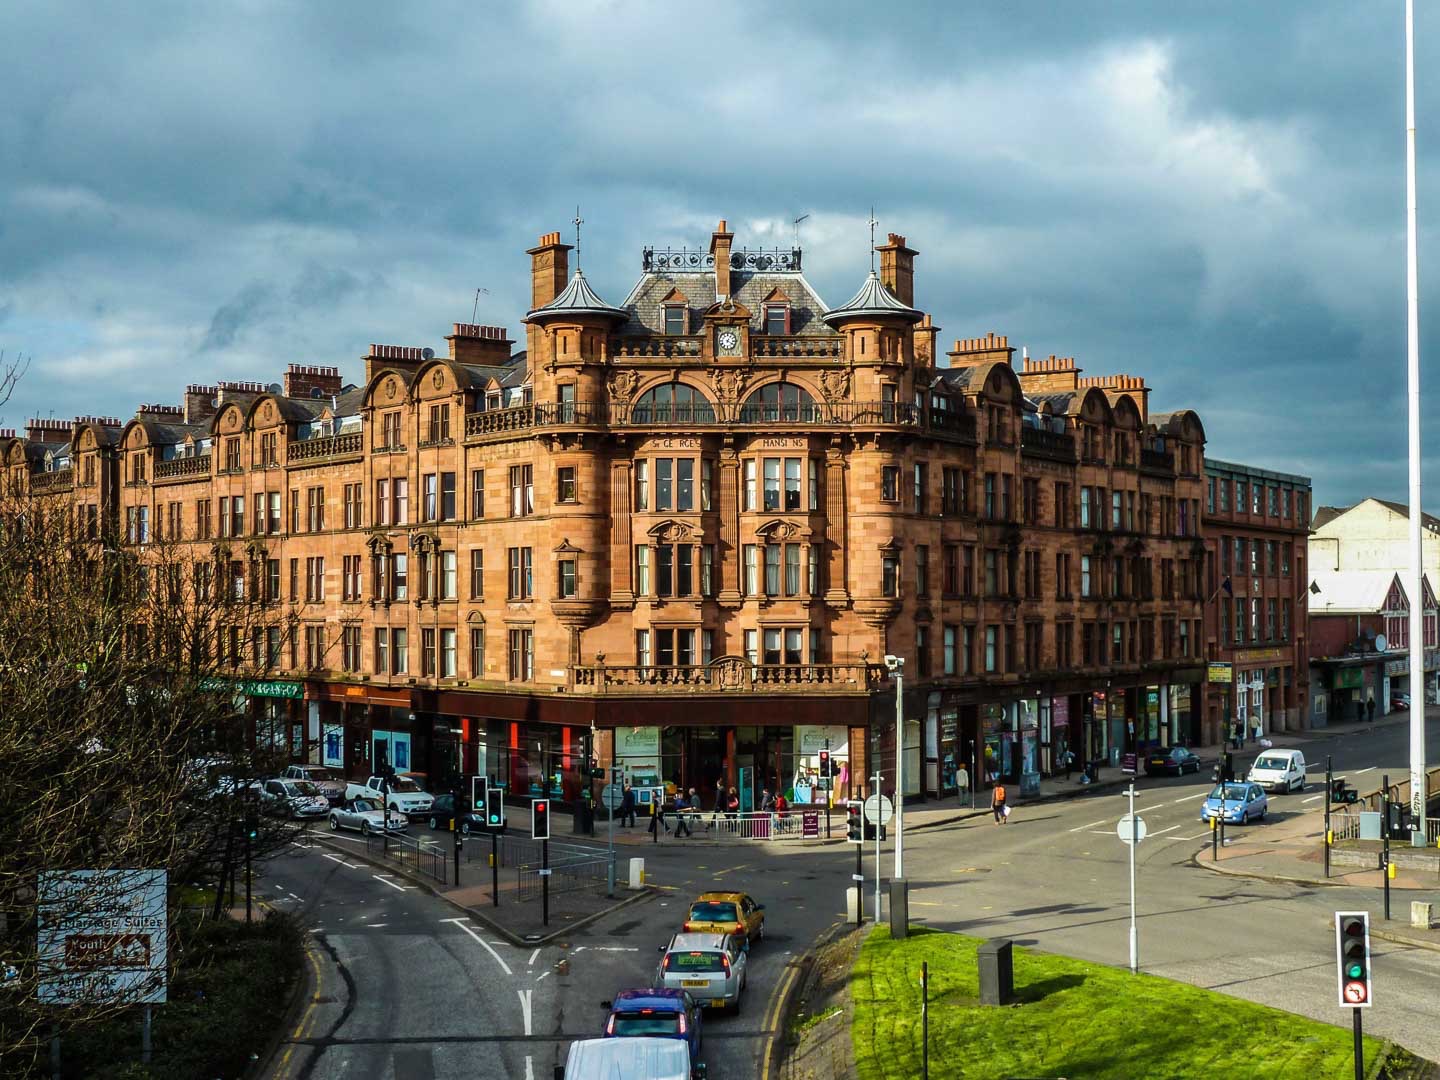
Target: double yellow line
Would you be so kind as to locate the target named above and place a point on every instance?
(773, 1013)
(306, 1018)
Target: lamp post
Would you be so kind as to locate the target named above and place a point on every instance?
(896, 665)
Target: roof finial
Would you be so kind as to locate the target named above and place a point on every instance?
(578, 222)
(872, 223)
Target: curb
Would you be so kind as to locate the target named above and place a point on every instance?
(479, 915)
(1401, 939)
(304, 990)
(782, 1010)
(1278, 879)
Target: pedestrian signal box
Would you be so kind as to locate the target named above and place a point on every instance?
(854, 823)
(1352, 951)
(540, 819)
(495, 809)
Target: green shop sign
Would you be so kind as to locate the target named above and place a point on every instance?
(1349, 678)
(256, 687)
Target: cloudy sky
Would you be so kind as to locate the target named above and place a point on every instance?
(1210, 194)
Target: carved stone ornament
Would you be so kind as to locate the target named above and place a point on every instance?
(392, 387)
(729, 382)
(623, 384)
(269, 411)
(676, 532)
(835, 385)
(438, 381)
(730, 673)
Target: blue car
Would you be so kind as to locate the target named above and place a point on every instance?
(664, 1013)
(1243, 803)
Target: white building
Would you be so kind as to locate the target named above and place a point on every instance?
(1374, 534)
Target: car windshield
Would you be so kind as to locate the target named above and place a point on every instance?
(405, 785)
(362, 805)
(1232, 791)
(698, 961)
(1269, 761)
(709, 911)
(641, 1024)
(319, 774)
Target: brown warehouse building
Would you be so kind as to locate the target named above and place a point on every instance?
(690, 526)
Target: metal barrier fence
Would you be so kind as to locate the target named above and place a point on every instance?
(516, 850)
(423, 856)
(578, 875)
(785, 825)
(1346, 826)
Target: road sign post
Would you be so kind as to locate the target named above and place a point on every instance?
(1329, 788)
(1385, 838)
(1352, 956)
(1131, 830)
(878, 811)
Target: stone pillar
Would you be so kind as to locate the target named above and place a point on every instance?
(622, 555)
(838, 592)
(727, 550)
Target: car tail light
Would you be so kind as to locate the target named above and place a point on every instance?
(665, 964)
(688, 927)
(726, 961)
(683, 1025)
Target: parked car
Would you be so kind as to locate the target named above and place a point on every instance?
(330, 783)
(443, 809)
(367, 816)
(405, 796)
(1174, 760)
(1399, 700)
(629, 1059)
(1278, 770)
(662, 1012)
(1243, 803)
(726, 913)
(709, 967)
(293, 798)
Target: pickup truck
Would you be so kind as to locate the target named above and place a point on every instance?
(406, 796)
(325, 779)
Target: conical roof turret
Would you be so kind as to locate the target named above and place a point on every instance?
(873, 299)
(577, 299)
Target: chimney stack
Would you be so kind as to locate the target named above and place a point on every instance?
(200, 403)
(302, 379)
(46, 430)
(487, 346)
(165, 414)
(720, 248)
(897, 269)
(971, 351)
(406, 358)
(549, 269)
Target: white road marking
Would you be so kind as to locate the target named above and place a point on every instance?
(531, 961)
(482, 942)
(1162, 832)
(1197, 836)
(525, 1007)
(378, 925)
(609, 948)
(1359, 772)
(1190, 798)
(1313, 798)
(1092, 824)
(397, 888)
(332, 858)
(529, 1069)
(539, 977)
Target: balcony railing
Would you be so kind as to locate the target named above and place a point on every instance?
(58, 480)
(660, 346)
(778, 347)
(729, 674)
(187, 466)
(327, 446)
(1053, 444)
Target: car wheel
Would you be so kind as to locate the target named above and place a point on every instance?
(364, 828)
(432, 821)
(1245, 818)
(334, 824)
(464, 828)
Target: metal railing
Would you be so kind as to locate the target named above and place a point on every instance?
(758, 825)
(514, 850)
(422, 856)
(588, 875)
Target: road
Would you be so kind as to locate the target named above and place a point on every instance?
(410, 990)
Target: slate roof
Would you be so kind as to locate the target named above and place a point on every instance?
(1326, 514)
(873, 299)
(577, 298)
(644, 305)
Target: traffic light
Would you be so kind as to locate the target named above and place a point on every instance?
(1352, 951)
(540, 819)
(596, 772)
(1217, 774)
(252, 827)
(495, 809)
(1227, 773)
(824, 762)
(1337, 789)
(854, 824)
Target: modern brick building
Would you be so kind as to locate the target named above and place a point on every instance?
(1256, 524)
(692, 524)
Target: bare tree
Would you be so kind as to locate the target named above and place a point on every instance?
(11, 372)
(118, 669)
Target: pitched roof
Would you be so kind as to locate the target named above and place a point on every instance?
(873, 299)
(1349, 592)
(1326, 514)
(577, 298)
(751, 289)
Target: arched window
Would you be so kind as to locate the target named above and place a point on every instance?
(779, 402)
(673, 403)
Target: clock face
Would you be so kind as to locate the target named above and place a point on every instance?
(729, 340)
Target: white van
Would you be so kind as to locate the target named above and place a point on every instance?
(629, 1058)
(1278, 770)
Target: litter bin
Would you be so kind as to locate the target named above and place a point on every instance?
(997, 973)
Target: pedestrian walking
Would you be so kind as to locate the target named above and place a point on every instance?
(658, 820)
(1257, 728)
(683, 809)
(732, 804)
(627, 807)
(1370, 708)
(1068, 759)
(767, 802)
(997, 805)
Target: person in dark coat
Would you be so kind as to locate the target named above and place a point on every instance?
(627, 807)
(1370, 709)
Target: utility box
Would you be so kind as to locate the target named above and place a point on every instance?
(997, 972)
(852, 901)
(899, 908)
(637, 873)
(1370, 824)
(1420, 914)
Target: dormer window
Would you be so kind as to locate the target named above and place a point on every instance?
(777, 319)
(675, 321)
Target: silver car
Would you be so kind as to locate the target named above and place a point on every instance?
(708, 967)
(293, 798)
(366, 816)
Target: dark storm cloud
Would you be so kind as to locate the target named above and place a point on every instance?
(1210, 194)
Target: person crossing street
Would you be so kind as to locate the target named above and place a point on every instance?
(998, 806)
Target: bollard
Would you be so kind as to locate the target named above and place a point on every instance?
(997, 972)
(1420, 916)
(851, 915)
(899, 908)
(637, 873)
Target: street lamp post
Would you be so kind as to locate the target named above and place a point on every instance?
(896, 665)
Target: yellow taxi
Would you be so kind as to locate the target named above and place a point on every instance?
(727, 913)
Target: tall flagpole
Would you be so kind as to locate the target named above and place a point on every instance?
(1415, 585)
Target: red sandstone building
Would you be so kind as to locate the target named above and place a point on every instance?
(692, 524)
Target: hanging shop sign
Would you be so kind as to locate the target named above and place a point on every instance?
(273, 688)
(1220, 673)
